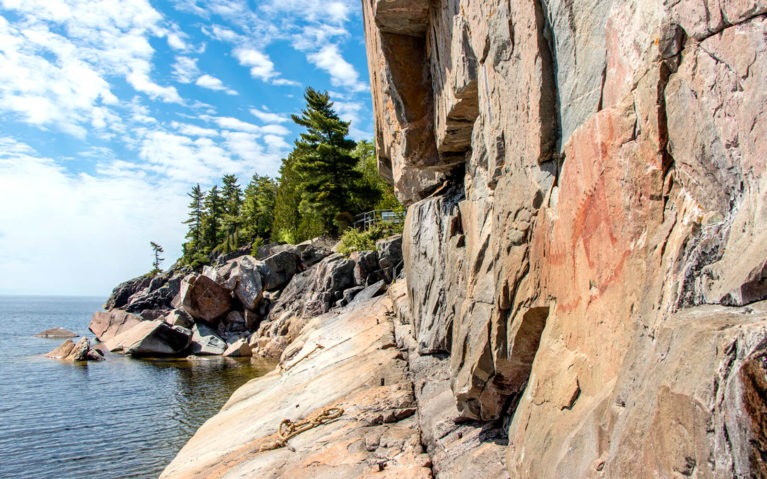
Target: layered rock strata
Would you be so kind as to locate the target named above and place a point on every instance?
(585, 241)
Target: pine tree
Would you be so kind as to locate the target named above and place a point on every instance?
(286, 214)
(196, 212)
(257, 212)
(212, 232)
(231, 198)
(157, 249)
(329, 180)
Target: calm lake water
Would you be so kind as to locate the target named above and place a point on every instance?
(118, 418)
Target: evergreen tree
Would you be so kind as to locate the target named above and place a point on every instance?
(157, 249)
(286, 214)
(375, 192)
(257, 212)
(212, 232)
(329, 180)
(231, 199)
(196, 211)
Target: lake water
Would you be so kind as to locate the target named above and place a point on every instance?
(118, 418)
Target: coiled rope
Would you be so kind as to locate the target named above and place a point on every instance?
(288, 428)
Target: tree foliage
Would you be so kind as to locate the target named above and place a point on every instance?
(325, 180)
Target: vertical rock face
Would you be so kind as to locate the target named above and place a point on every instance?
(586, 236)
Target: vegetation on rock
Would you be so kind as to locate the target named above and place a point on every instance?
(325, 180)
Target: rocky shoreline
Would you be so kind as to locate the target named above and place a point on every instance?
(241, 306)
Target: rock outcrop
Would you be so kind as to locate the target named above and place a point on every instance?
(108, 324)
(151, 338)
(376, 433)
(80, 351)
(585, 241)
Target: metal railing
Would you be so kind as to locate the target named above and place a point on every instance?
(367, 220)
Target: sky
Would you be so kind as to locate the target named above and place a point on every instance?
(111, 110)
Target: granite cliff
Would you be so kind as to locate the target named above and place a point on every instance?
(585, 242)
(585, 256)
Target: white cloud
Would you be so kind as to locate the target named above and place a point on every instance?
(213, 83)
(260, 65)
(275, 130)
(193, 130)
(62, 82)
(312, 35)
(185, 69)
(342, 73)
(267, 116)
(337, 11)
(87, 233)
(236, 124)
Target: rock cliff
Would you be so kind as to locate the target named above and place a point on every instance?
(585, 245)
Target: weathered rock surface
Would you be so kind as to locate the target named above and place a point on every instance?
(458, 448)
(239, 348)
(150, 338)
(122, 293)
(108, 324)
(279, 268)
(376, 436)
(56, 333)
(390, 256)
(204, 299)
(179, 317)
(586, 230)
(80, 351)
(205, 341)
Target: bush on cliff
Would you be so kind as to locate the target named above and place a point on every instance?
(354, 240)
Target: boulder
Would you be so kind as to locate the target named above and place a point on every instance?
(264, 251)
(62, 351)
(122, 293)
(56, 333)
(204, 299)
(239, 348)
(348, 295)
(252, 319)
(206, 342)
(235, 321)
(108, 324)
(80, 351)
(151, 338)
(365, 264)
(158, 296)
(370, 292)
(390, 256)
(179, 317)
(241, 276)
(278, 269)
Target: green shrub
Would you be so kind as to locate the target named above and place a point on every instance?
(354, 240)
(343, 221)
(286, 236)
(257, 243)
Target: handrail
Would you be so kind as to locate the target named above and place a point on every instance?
(372, 218)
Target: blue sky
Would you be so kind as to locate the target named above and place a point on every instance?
(110, 110)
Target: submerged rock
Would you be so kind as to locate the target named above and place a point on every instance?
(80, 351)
(56, 333)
